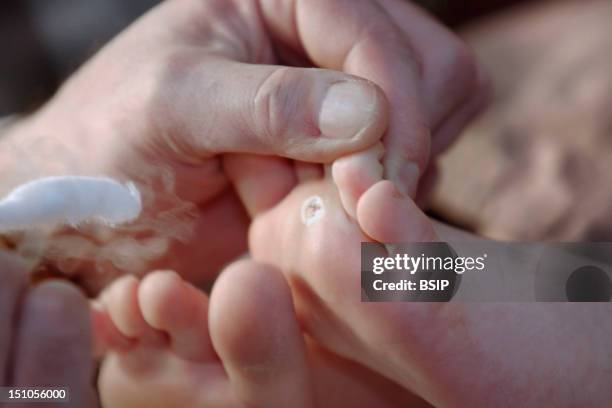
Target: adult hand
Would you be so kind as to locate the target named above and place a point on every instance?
(44, 335)
(194, 79)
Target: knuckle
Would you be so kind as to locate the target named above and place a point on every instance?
(164, 93)
(164, 87)
(276, 106)
(178, 63)
(377, 35)
(162, 81)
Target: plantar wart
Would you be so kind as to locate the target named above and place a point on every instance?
(312, 210)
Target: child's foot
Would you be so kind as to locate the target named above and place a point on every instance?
(162, 353)
(453, 354)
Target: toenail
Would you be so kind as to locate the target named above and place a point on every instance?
(312, 210)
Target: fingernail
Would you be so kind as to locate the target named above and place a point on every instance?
(408, 179)
(347, 108)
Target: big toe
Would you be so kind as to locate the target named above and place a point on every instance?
(258, 337)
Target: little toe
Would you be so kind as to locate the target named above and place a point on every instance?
(172, 305)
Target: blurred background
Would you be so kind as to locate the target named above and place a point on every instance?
(536, 166)
(43, 41)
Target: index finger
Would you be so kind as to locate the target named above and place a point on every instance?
(359, 38)
(53, 346)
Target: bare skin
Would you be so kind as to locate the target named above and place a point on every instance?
(169, 344)
(193, 80)
(437, 351)
(455, 354)
(37, 347)
(159, 104)
(163, 331)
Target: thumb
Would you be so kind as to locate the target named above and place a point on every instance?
(307, 114)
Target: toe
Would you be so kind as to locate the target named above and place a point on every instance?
(171, 305)
(355, 173)
(121, 302)
(387, 216)
(256, 333)
(105, 335)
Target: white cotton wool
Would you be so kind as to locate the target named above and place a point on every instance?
(69, 200)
